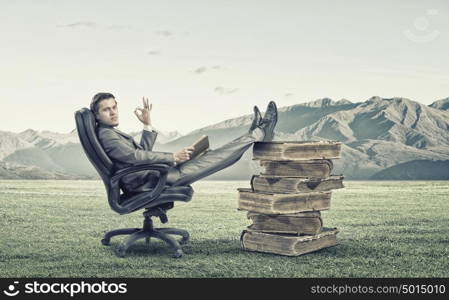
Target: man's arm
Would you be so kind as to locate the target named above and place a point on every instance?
(143, 114)
(148, 138)
(120, 150)
(148, 134)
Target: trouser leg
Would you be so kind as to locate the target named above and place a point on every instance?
(213, 160)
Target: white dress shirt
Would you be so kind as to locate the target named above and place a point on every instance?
(148, 128)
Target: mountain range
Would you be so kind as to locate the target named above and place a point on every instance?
(383, 138)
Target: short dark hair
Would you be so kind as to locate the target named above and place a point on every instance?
(97, 99)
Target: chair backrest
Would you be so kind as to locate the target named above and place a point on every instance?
(85, 125)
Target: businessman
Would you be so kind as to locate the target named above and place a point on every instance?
(124, 151)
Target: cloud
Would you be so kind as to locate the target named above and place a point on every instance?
(225, 91)
(154, 52)
(163, 32)
(204, 69)
(92, 25)
(85, 24)
(200, 70)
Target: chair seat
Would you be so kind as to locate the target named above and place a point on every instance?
(172, 190)
(169, 194)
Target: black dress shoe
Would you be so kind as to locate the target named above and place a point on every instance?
(269, 121)
(256, 120)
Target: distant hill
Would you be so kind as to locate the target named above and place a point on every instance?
(49, 155)
(17, 171)
(416, 169)
(441, 104)
(377, 135)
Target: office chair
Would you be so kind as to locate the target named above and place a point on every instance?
(155, 202)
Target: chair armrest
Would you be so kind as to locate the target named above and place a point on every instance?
(160, 170)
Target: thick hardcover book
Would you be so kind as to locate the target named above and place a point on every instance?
(300, 223)
(284, 244)
(278, 150)
(294, 184)
(200, 146)
(320, 168)
(274, 203)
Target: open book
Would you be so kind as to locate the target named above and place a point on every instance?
(200, 146)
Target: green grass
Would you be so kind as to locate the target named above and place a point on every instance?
(387, 229)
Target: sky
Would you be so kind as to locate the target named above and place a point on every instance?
(202, 62)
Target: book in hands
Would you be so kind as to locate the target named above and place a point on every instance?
(200, 146)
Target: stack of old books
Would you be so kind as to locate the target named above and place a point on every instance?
(285, 199)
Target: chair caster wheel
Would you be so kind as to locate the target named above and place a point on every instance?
(178, 253)
(105, 242)
(184, 240)
(120, 252)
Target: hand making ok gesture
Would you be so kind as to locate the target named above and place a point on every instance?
(143, 114)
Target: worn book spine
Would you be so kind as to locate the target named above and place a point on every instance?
(300, 223)
(289, 245)
(279, 184)
(296, 150)
(320, 168)
(272, 203)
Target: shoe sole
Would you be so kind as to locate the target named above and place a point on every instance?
(270, 128)
(257, 115)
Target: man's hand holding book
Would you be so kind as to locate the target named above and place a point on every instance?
(199, 147)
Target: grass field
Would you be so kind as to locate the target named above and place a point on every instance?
(387, 229)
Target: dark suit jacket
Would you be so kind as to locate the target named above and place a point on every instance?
(124, 152)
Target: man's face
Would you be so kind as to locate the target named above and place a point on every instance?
(107, 112)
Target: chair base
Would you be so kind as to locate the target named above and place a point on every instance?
(148, 232)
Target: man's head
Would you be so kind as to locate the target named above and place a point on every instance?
(105, 109)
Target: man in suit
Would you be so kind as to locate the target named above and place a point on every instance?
(124, 151)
